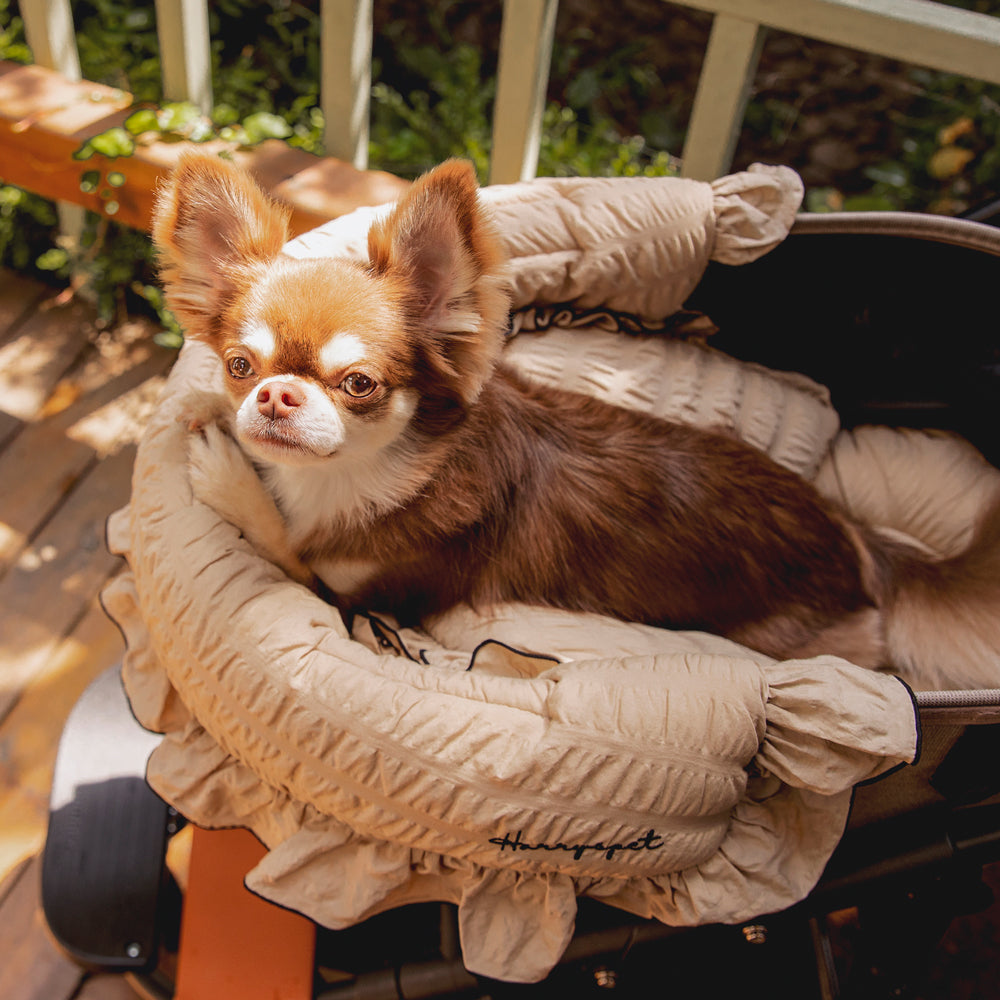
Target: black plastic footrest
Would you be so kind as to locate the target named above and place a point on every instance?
(103, 863)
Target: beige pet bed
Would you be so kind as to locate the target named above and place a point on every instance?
(510, 763)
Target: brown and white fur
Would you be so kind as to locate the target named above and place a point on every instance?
(413, 470)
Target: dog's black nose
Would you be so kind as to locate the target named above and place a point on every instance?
(277, 400)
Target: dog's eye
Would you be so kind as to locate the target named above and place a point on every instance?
(358, 384)
(239, 367)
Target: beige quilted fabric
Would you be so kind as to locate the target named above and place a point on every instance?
(674, 775)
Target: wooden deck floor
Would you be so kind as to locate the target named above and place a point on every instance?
(73, 400)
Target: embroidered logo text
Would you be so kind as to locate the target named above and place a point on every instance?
(650, 841)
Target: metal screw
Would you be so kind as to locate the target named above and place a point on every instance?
(133, 950)
(755, 933)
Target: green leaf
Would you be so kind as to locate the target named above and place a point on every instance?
(892, 173)
(113, 143)
(174, 117)
(263, 125)
(225, 114)
(89, 181)
(201, 131)
(144, 120)
(173, 339)
(584, 90)
(236, 134)
(52, 260)
(868, 203)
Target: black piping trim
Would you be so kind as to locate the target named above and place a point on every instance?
(383, 631)
(920, 744)
(513, 649)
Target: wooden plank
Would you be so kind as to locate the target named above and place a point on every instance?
(45, 119)
(720, 101)
(31, 967)
(9, 426)
(41, 352)
(223, 922)
(19, 298)
(346, 80)
(919, 32)
(29, 735)
(16, 300)
(522, 78)
(95, 410)
(57, 577)
(185, 51)
(9, 881)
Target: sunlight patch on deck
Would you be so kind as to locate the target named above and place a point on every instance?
(120, 422)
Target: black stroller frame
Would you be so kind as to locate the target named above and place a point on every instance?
(895, 313)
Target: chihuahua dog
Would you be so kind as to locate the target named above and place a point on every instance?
(413, 470)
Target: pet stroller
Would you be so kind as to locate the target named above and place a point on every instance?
(549, 782)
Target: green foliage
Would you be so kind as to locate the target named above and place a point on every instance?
(26, 223)
(571, 148)
(448, 112)
(445, 114)
(118, 45)
(950, 145)
(430, 100)
(12, 44)
(948, 151)
(258, 98)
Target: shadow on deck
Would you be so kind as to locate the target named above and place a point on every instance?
(73, 401)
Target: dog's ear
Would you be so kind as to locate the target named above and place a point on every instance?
(212, 225)
(440, 243)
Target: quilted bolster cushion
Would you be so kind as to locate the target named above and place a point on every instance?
(673, 775)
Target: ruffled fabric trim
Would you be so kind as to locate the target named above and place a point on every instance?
(754, 210)
(761, 846)
(581, 776)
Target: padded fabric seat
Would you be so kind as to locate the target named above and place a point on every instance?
(511, 761)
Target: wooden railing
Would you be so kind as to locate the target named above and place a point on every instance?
(46, 111)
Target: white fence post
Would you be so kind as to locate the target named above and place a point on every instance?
(921, 32)
(721, 98)
(345, 87)
(522, 78)
(185, 51)
(48, 30)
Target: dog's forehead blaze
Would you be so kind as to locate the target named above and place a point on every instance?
(259, 338)
(331, 306)
(322, 318)
(343, 350)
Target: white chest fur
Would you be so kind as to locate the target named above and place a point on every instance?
(325, 501)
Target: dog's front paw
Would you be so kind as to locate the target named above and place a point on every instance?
(223, 477)
(203, 409)
(220, 471)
